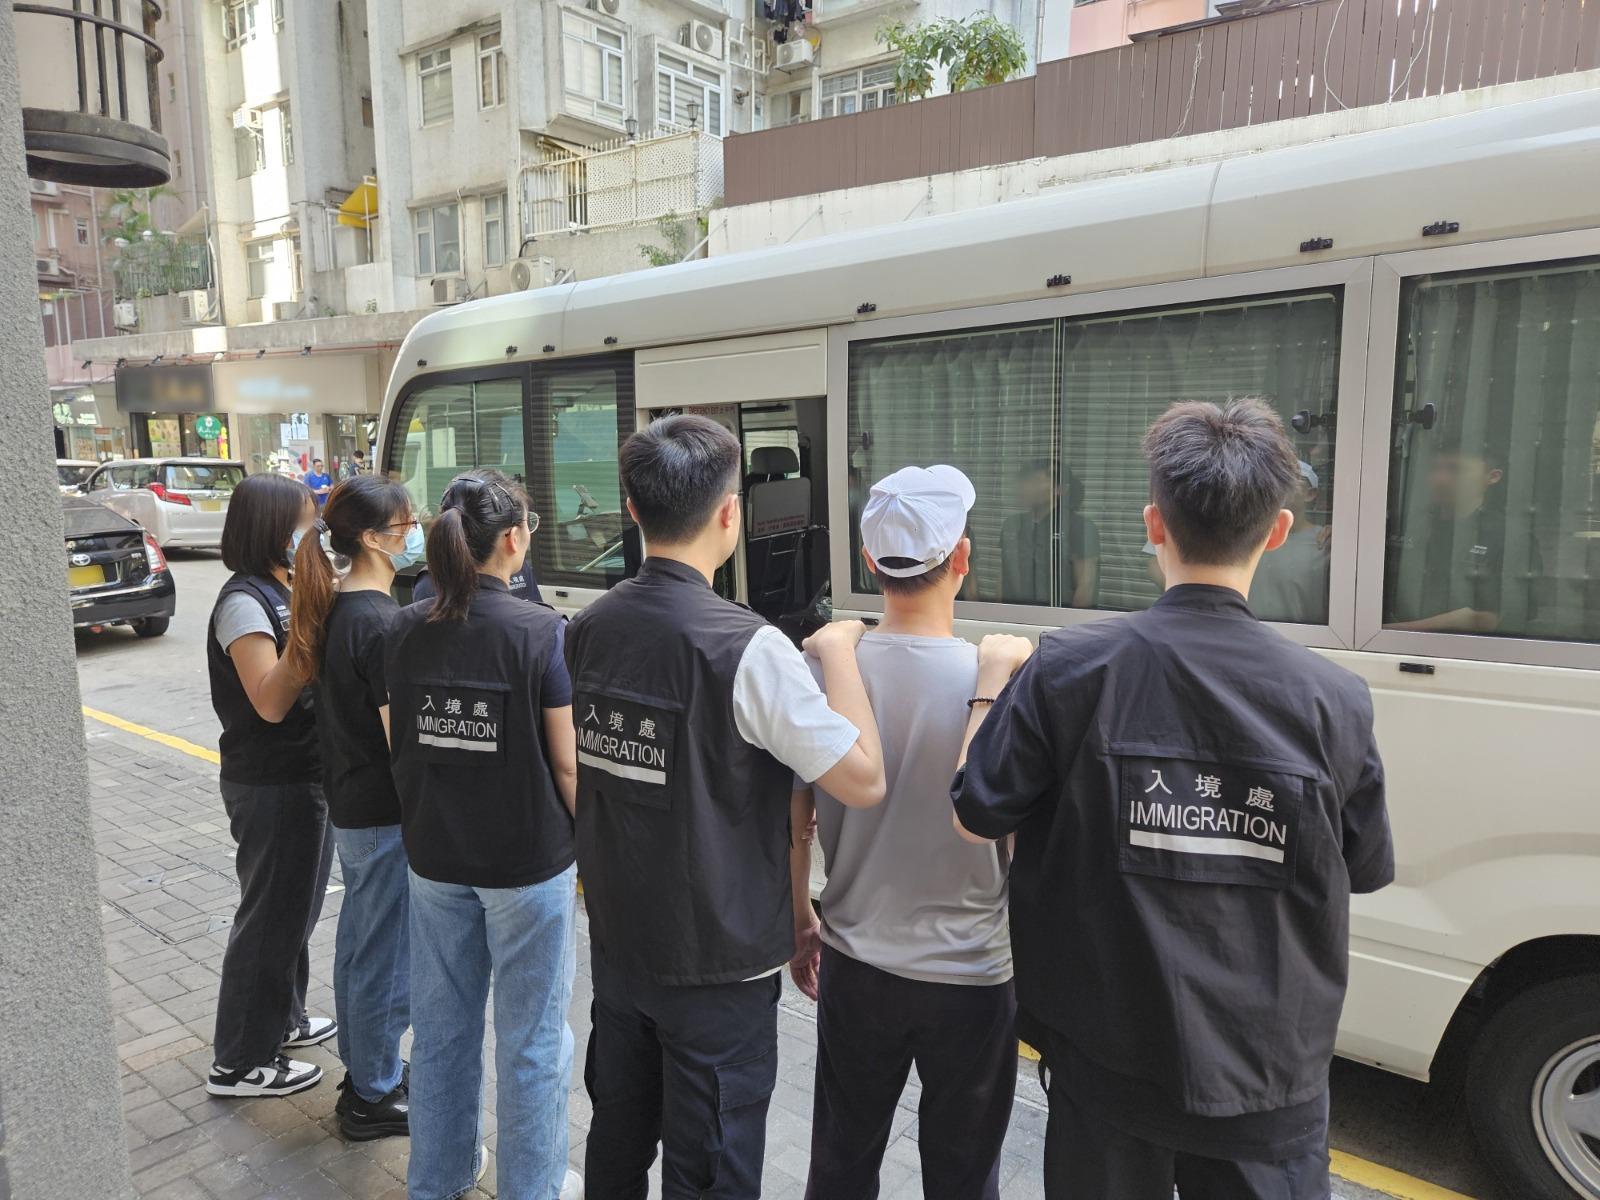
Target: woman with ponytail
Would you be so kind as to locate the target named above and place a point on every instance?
(485, 761)
(366, 532)
(272, 790)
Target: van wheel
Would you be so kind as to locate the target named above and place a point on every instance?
(148, 627)
(1533, 1091)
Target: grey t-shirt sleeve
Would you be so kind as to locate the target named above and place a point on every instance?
(238, 615)
(778, 706)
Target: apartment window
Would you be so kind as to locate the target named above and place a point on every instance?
(433, 70)
(438, 239)
(257, 263)
(494, 230)
(681, 85)
(790, 108)
(238, 22)
(286, 131)
(858, 91)
(491, 71)
(82, 229)
(249, 144)
(1494, 468)
(592, 57)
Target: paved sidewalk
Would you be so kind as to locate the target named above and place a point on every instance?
(168, 891)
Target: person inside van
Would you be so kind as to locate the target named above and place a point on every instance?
(1291, 583)
(1028, 541)
(272, 790)
(485, 761)
(336, 639)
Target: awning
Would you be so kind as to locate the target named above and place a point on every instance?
(361, 206)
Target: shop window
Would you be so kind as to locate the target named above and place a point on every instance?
(1494, 472)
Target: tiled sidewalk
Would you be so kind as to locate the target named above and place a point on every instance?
(168, 892)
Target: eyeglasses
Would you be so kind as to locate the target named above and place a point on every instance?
(406, 526)
(533, 521)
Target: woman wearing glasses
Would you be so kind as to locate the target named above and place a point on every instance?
(336, 638)
(485, 759)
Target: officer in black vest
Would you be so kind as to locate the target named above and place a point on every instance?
(523, 585)
(1194, 799)
(693, 716)
(272, 790)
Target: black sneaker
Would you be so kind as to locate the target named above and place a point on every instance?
(282, 1076)
(362, 1121)
(313, 1031)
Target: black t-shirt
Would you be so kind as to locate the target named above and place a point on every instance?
(523, 585)
(1195, 798)
(1025, 551)
(478, 803)
(350, 690)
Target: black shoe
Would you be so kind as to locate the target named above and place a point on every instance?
(362, 1121)
(281, 1077)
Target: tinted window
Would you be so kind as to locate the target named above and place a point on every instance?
(72, 476)
(435, 436)
(1494, 479)
(192, 477)
(577, 490)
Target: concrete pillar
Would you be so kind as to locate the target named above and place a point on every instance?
(60, 1100)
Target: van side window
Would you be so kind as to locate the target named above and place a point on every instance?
(1494, 473)
(446, 428)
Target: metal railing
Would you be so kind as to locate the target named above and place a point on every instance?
(622, 183)
(162, 266)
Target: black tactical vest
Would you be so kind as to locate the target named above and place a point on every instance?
(255, 750)
(683, 826)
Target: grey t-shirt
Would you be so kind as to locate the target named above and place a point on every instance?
(905, 893)
(238, 615)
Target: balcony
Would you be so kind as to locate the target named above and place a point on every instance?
(1295, 61)
(625, 183)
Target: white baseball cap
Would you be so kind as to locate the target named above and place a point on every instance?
(918, 513)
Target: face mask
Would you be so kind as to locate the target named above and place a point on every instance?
(411, 552)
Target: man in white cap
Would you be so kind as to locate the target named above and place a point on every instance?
(915, 955)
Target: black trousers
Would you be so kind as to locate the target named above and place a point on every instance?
(285, 854)
(692, 1068)
(1086, 1158)
(871, 1026)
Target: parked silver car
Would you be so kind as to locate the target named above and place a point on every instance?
(182, 502)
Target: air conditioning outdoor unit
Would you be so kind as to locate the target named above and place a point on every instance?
(529, 273)
(609, 7)
(47, 266)
(287, 310)
(42, 187)
(125, 314)
(196, 306)
(449, 291)
(796, 55)
(702, 36)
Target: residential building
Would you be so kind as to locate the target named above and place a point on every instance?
(1105, 24)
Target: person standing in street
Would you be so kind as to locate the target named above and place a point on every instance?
(915, 956)
(693, 716)
(485, 763)
(1194, 799)
(319, 481)
(271, 786)
(336, 639)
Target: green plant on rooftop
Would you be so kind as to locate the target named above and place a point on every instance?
(975, 52)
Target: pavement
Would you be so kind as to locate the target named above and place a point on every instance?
(168, 891)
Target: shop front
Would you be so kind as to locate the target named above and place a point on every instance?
(87, 428)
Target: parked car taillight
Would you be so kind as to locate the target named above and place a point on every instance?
(159, 491)
(152, 555)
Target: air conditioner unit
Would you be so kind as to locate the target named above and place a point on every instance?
(287, 310)
(609, 7)
(449, 291)
(43, 187)
(796, 55)
(702, 36)
(125, 315)
(47, 266)
(529, 273)
(760, 55)
(196, 306)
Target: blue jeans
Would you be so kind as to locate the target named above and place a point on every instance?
(526, 938)
(371, 960)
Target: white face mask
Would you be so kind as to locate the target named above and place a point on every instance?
(412, 551)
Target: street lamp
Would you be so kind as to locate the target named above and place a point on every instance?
(91, 109)
(631, 127)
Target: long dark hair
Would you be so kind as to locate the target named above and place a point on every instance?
(477, 508)
(355, 506)
(262, 515)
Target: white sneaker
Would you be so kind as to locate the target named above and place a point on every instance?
(572, 1186)
(313, 1031)
(280, 1077)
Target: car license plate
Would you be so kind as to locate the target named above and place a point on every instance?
(208, 505)
(90, 576)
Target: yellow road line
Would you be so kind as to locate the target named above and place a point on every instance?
(1387, 1180)
(154, 735)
